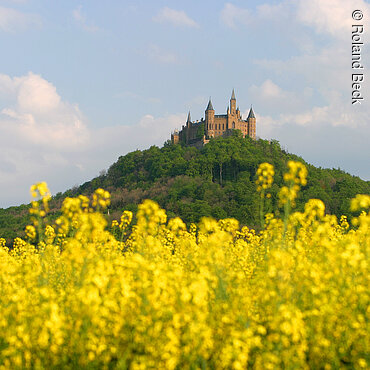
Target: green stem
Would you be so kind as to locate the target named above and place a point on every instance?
(287, 209)
(261, 209)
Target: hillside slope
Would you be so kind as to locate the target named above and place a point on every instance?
(217, 181)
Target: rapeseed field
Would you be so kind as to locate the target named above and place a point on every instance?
(159, 294)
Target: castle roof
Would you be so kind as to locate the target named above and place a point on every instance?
(209, 106)
(251, 113)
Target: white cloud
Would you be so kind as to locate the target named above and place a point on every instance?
(46, 138)
(272, 98)
(335, 114)
(6, 85)
(327, 73)
(36, 95)
(82, 21)
(284, 108)
(278, 11)
(231, 15)
(175, 17)
(38, 115)
(12, 20)
(330, 16)
(271, 90)
(159, 55)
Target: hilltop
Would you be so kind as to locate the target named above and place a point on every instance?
(217, 180)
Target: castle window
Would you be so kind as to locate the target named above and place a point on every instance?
(223, 126)
(233, 124)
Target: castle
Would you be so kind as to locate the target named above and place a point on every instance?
(198, 133)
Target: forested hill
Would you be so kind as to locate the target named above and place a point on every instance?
(217, 181)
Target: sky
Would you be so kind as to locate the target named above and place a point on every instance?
(84, 82)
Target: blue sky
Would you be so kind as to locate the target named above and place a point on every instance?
(83, 82)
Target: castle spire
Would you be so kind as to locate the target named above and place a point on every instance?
(189, 117)
(233, 95)
(209, 106)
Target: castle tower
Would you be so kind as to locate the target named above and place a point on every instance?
(251, 124)
(175, 138)
(210, 119)
(233, 104)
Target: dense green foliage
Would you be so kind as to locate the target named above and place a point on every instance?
(13, 220)
(217, 181)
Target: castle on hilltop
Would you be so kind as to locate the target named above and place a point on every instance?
(197, 133)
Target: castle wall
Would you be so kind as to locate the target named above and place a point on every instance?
(220, 125)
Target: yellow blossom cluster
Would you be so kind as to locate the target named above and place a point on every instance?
(101, 198)
(170, 296)
(265, 178)
(294, 179)
(41, 191)
(39, 206)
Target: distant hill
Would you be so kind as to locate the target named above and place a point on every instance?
(217, 180)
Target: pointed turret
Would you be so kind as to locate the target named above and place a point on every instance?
(233, 103)
(251, 124)
(251, 113)
(210, 119)
(209, 106)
